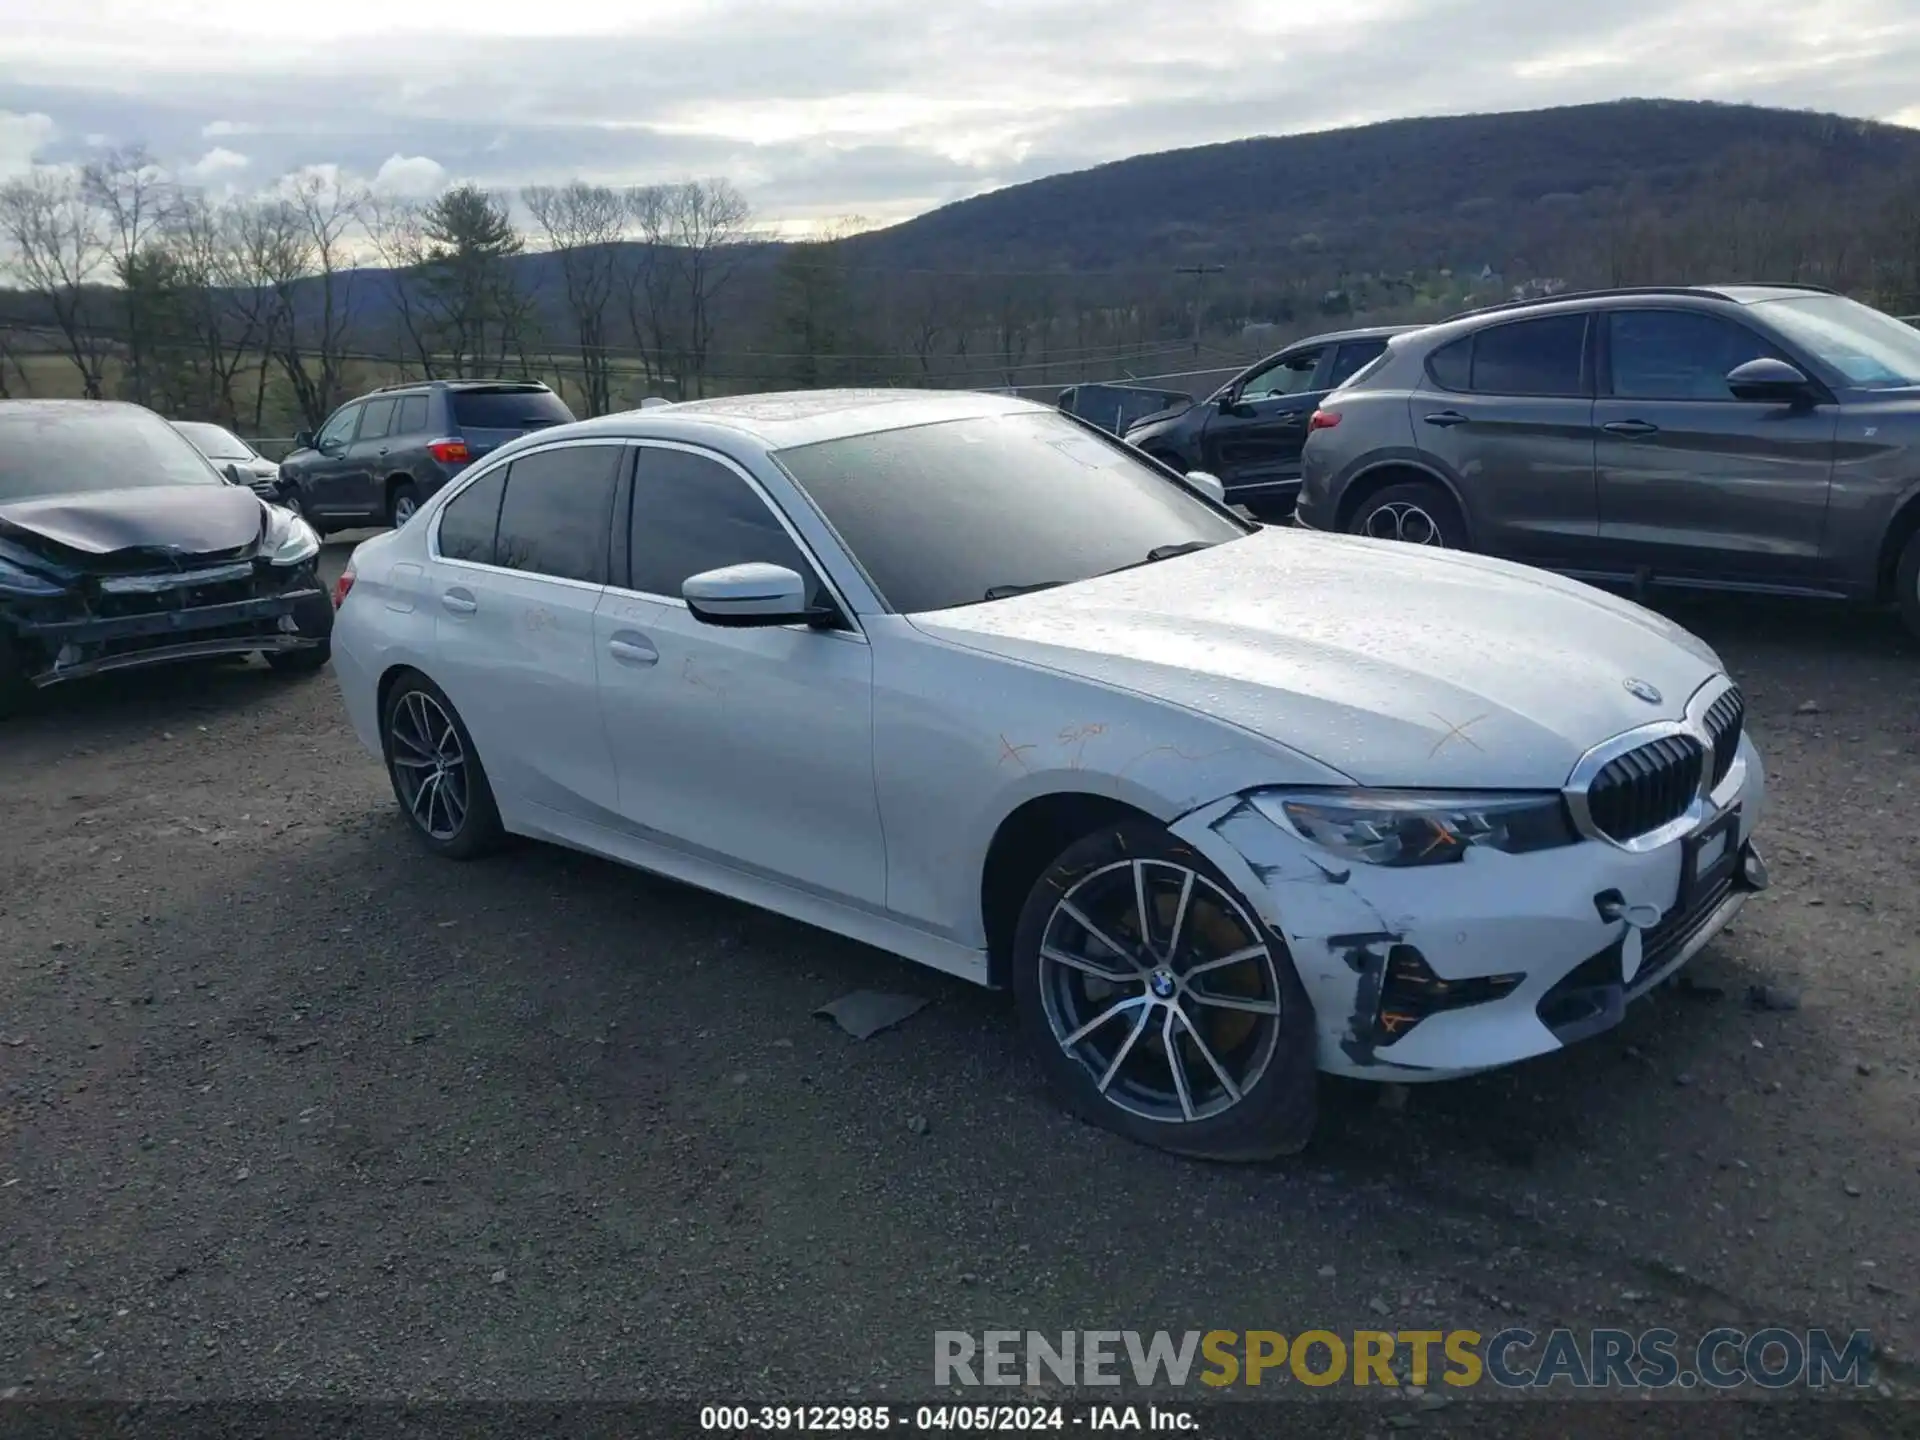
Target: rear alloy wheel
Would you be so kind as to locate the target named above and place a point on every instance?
(1907, 579)
(1416, 513)
(402, 504)
(1160, 1005)
(436, 773)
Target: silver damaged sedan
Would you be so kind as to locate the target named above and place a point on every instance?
(1225, 807)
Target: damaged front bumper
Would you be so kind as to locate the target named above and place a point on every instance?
(72, 647)
(1433, 972)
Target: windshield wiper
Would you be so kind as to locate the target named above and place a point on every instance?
(1185, 547)
(1004, 592)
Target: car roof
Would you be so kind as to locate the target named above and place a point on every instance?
(1364, 332)
(72, 409)
(1580, 300)
(781, 420)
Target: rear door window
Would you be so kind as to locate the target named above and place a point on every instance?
(557, 517)
(1532, 357)
(508, 409)
(1451, 366)
(472, 519)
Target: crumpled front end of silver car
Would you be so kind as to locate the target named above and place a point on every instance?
(1500, 947)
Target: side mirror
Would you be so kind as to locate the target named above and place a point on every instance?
(753, 594)
(1208, 484)
(303, 440)
(1769, 380)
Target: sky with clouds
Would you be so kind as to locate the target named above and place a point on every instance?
(879, 108)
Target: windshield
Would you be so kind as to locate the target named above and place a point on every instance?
(1873, 350)
(74, 446)
(213, 441)
(940, 515)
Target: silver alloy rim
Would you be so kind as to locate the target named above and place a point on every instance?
(1155, 980)
(1405, 522)
(403, 509)
(430, 765)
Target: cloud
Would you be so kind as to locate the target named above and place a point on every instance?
(21, 138)
(827, 107)
(217, 164)
(410, 175)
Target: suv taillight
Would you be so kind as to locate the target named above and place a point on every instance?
(342, 586)
(449, 452)
(1324, 420)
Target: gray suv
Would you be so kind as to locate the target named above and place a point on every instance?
(378, 457)
(1734, 437)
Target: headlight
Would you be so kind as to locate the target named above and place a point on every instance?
(17, 580)
(1419, 827)
(290, 540)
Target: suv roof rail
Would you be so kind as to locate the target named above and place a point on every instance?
(1717, 292)
(467, 384)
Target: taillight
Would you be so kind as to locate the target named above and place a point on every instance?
(449, 452)
(342, 586)
(1324, 420)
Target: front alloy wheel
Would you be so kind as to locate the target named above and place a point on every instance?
(1161, 1005)
(436, 774)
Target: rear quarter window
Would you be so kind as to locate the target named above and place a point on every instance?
(1451, 366)
(508, 409)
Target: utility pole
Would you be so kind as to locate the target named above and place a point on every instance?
(1200, 274)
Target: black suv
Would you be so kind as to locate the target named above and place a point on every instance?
(378, 457)
(1732, 437)
(1249, 431)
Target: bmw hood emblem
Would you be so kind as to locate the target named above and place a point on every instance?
(1641, 690)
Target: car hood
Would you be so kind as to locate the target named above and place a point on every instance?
(1392, 664)
(1158, 420)
(165, 522)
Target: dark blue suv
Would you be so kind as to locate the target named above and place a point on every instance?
(378, 457)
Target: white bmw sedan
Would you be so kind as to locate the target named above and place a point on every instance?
(959, 677)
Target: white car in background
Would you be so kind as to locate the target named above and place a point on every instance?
(958, 676)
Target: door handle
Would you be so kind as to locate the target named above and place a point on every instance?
(1631, 427)
(631, 648)
(459, 602)
(1446, 419)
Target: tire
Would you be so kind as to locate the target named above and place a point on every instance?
(15, 688)
(1269, 1053)
(401, 504)
(1907, 584)
(1416, 512)
(313, 615)
(415, 726)
(310, 661)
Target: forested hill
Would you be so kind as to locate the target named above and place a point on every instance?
(1535, 190)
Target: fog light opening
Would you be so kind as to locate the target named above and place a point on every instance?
(1410, 992)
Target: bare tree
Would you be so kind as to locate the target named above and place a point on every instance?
(266, 248)
(134, 198)
(311, 263)
(216, 306)
(646, 279)
(709, 225)
(59, 256)
(584, 225)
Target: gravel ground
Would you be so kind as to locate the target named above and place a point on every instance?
(289, 1108)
